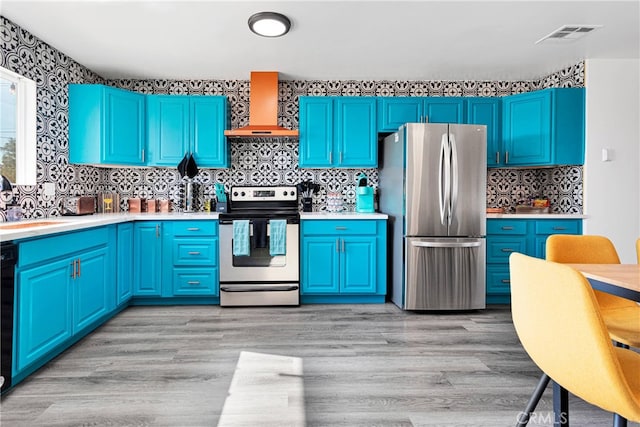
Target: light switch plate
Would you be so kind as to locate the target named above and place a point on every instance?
(49, 189)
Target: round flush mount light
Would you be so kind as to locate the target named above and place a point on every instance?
(269, 24)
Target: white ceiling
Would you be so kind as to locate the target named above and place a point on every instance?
(329, 40)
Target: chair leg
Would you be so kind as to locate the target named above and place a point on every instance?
(619, 421)
(523, 417)
(560, 406)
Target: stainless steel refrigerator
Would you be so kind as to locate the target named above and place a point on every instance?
(432, 182)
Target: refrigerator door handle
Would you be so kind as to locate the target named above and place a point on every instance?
(453, 198)
(446, 244)
(443, 177)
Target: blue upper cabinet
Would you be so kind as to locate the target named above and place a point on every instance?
(444, 110)
(544, 128)
(316, 131)
(393, 112)
(356, 140)
(486, 111)
(338, 132)
(181, 124)
(106, 126)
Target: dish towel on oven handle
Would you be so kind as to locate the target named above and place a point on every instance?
(278, 237)
(241, 237)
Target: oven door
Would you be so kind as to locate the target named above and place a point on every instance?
(259, 266)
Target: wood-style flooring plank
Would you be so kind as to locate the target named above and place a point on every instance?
(313, 365)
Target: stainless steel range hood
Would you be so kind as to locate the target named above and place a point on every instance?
(263, 109)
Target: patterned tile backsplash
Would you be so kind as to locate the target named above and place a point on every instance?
(256, 162)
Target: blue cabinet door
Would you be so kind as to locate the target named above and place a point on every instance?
(358, 267)
(393, 112)
(44, 311)
(93, 294)
(355, 132)
(147, 248)
(320, 260)
(486, 111)
(124, 263)
(527, 128)
(125, 137)
(208, 123)
(106, 125)
(444, 110)
(168, 129)
(316, 132)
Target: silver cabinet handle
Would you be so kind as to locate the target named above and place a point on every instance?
(193, 282)
(194, 253)
(330, 156)
(78, 264)
(193, 229)
(507, 227)
(342, 245)
(559, 228)
(73, 269)
(506, 157)
(340, 156)
(497, 157)
(143, 154)
(506, 281)
(341, 228)
(337, 245)
(507, 250)
(157, 230)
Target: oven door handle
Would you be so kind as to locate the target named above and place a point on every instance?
(249, 288)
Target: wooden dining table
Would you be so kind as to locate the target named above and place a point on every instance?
(622, 280)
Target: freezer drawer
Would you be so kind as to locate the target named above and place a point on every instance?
(444, 273)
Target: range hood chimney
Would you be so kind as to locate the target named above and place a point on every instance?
(263, 108)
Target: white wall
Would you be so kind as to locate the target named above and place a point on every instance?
(612, 189)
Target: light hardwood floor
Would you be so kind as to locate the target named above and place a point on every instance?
(315, 365)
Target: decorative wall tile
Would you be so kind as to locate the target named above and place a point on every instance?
(259, 161)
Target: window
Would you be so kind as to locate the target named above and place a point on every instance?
(17, 128)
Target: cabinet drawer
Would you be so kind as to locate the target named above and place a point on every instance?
(558, 227)
(499, 248)
(195, 228)
(195, 281)
(46, 248)
(324, 227)
(498, 280)
(507, 226)
(195, 252)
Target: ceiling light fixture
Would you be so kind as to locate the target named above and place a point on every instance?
(269, 24)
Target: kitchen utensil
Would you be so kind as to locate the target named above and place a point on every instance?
(182, 166)
(220, 194)
(192, 167)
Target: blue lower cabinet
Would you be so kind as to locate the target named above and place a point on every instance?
(195, 282)
(124, 263)
(147, 259)
(527, 236)
(343, 261)
(65, 288)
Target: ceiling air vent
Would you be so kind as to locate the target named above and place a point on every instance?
(568, 33)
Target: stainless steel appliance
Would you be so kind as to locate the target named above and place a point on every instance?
(260, 278)
(437, 258)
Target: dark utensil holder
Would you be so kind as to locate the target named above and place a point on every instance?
(307, 206)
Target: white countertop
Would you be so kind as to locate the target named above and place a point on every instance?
(342, 215)
(59, 224)
(536, 216)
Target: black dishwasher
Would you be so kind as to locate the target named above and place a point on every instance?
(9, 253)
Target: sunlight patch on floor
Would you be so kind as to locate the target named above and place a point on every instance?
(266, 389)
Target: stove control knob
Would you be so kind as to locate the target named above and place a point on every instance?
(285, 193)
(243, 194)
(293, 193)
(235, 193)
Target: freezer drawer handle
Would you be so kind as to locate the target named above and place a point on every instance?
(446, 244)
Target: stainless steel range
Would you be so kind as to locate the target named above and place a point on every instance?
(259, 247)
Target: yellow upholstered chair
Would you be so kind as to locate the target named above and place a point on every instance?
(558, 321)
(622, 316)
